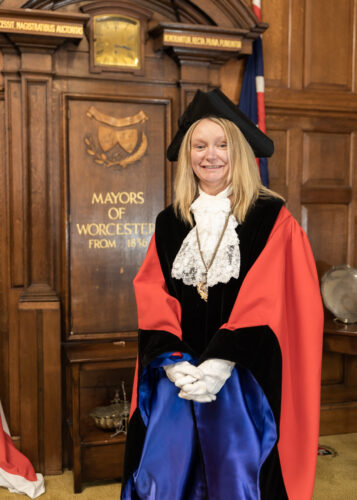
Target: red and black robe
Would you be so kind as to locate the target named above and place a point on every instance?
(269, 323)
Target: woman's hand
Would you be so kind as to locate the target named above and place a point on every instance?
(215, 373)
(182, 373)
(197, 391)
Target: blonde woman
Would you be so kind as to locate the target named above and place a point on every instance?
(226, 397)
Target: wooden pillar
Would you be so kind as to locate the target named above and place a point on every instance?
(34, 305)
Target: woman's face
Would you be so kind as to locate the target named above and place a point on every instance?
(209, 156)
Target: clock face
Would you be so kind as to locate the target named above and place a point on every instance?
(116, 41)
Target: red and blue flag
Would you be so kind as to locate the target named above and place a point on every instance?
(251, 100)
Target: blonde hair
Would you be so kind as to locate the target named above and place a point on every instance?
(244, 173)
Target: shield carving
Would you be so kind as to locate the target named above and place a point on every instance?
(127, 139)
(107, 138)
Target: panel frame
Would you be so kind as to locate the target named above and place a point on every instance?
(66, 98)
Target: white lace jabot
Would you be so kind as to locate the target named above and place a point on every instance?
(210, 214)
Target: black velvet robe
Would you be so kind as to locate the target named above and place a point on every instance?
(173, 318)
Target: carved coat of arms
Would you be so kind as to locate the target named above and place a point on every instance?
(117, 143)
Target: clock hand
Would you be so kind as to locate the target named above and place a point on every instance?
(121, 47)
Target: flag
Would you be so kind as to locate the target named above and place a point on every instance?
(16, 471)
(251, 100)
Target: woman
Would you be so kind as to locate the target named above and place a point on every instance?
(226, 399)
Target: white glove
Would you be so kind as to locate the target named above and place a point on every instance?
(216, 372)
(182, 373)
(197, 392)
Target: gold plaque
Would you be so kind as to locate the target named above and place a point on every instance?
(116, 41)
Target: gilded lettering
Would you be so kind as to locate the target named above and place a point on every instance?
(97, 198)
(140, 197)
(120, 197)
(124, 198)
(132, 197)
(103, 243)
(177, 38)
(115, 197)
(204, 41)
(108, 199)
(82, 229)
(69, 29)
(137, 242)
(115, 229)
(111, 224)
(115, 213)
(7, 24)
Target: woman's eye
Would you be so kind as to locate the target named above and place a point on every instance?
(223, 145)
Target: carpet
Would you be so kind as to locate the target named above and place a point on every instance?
(336, 477)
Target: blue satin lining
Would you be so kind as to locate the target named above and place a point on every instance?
(236, 434)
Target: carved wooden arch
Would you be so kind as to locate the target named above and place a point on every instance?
(226, 14)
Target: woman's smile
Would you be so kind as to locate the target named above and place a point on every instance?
(209, 156)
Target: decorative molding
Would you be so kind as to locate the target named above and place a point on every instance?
(211, 44)
(232, 13)
(51, 29)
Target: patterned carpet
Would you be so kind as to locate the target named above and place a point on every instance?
(336, 477)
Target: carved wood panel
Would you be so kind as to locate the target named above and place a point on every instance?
(278, 162)
(15, 182)
(329, 46)
(276, 42)
(4, 336)
(36, 148)
(39, 347)
(116, 185)
(326, 227)
(332, 368)
(326, 159)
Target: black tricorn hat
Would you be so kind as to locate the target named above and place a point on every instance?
(215, 103)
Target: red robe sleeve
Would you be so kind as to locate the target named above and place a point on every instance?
(281, 290)
(157, 309)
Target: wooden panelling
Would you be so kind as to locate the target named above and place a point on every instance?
(351, 372)
(14, 361)
(338, 419)
(326, 159)
(338, 397)
(112, 207)
(39, 258)
(50, 174)
(329, 44)
(332, 368)
(40, 385)
(276, 42)
(30, 387)
(15, 181)
(277, 163)
(4, 317)
(326, 226)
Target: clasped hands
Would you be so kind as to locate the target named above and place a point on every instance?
(199, 383)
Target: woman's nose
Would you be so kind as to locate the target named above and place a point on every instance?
(211, 153)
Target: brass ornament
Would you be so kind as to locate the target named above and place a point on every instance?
(104, 151)
(202, 290)
(114, 416)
